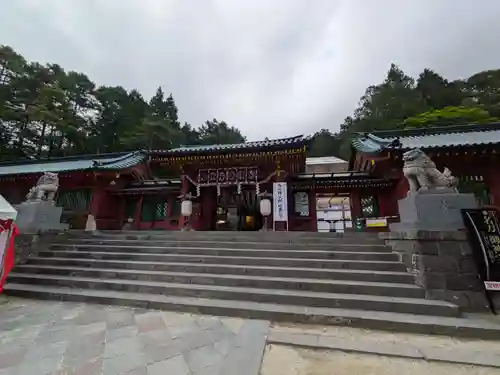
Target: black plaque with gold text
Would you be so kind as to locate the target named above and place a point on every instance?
(484, 236)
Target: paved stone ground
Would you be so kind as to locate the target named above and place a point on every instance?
(432, 347)
(62, 338)
(286, 360)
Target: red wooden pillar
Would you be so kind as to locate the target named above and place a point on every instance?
(492, 179)
(312, 211)
(138, 212)
(387, 201)
(121, 212)
(402, 188)
(355, 200)
(95, 201)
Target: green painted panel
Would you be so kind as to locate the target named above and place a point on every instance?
(475, 185)
(176, 208)
(75, 200)
(153, 209)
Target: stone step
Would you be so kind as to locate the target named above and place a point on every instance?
(246, 309)
(342, 253)
(236, 294)
(213, 259)
(377, 247)
(282, 237)
(259, 271)
(220, 233)
(315, 285)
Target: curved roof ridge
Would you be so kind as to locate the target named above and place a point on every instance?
(429, 138)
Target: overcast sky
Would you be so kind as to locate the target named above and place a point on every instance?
(272, 68)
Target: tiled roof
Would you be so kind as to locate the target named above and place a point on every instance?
(234, 146)
(428, 138)
(116, 161)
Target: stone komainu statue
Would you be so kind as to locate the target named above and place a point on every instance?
(422, 174)
(45, 188)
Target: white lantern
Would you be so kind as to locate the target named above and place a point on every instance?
(186, 208)
(265, 207)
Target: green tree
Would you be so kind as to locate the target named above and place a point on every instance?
(449, 116)
(189, 135)
(152, 134)
(483, 89)
(437, 92)
(218, 132)
(324, 143)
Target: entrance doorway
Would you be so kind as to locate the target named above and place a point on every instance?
(239, 212)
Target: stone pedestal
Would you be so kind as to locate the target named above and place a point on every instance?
(432, 242)
(434, 210)
(443, 264)
(34, 217)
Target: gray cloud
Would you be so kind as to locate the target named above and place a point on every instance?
(271, 67)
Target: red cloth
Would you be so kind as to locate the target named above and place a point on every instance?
(9, 257)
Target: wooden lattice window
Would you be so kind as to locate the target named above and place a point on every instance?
(369, 206)
(162, 210)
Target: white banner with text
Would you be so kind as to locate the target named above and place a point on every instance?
(280, 201)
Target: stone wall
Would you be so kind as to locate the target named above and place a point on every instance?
(443, 264)
(28, 245)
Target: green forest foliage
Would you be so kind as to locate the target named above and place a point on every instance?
(46, 111)
(401, 102)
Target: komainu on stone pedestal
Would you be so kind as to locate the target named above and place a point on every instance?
(422, 174)
(45, 188)
(433, 202)
(39, 212)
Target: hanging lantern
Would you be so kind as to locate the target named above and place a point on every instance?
(186, 207)
(265, 207)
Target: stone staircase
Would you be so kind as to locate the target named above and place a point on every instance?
(324, 278)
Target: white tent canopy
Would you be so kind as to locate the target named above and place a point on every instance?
(7, 212)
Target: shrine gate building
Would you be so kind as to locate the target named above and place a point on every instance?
(144, 190)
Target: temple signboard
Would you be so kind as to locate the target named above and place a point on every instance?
(280, 201)
(228, 176)
(484, 235)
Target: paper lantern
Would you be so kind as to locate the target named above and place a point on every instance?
(265, 207)
(186, 208)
